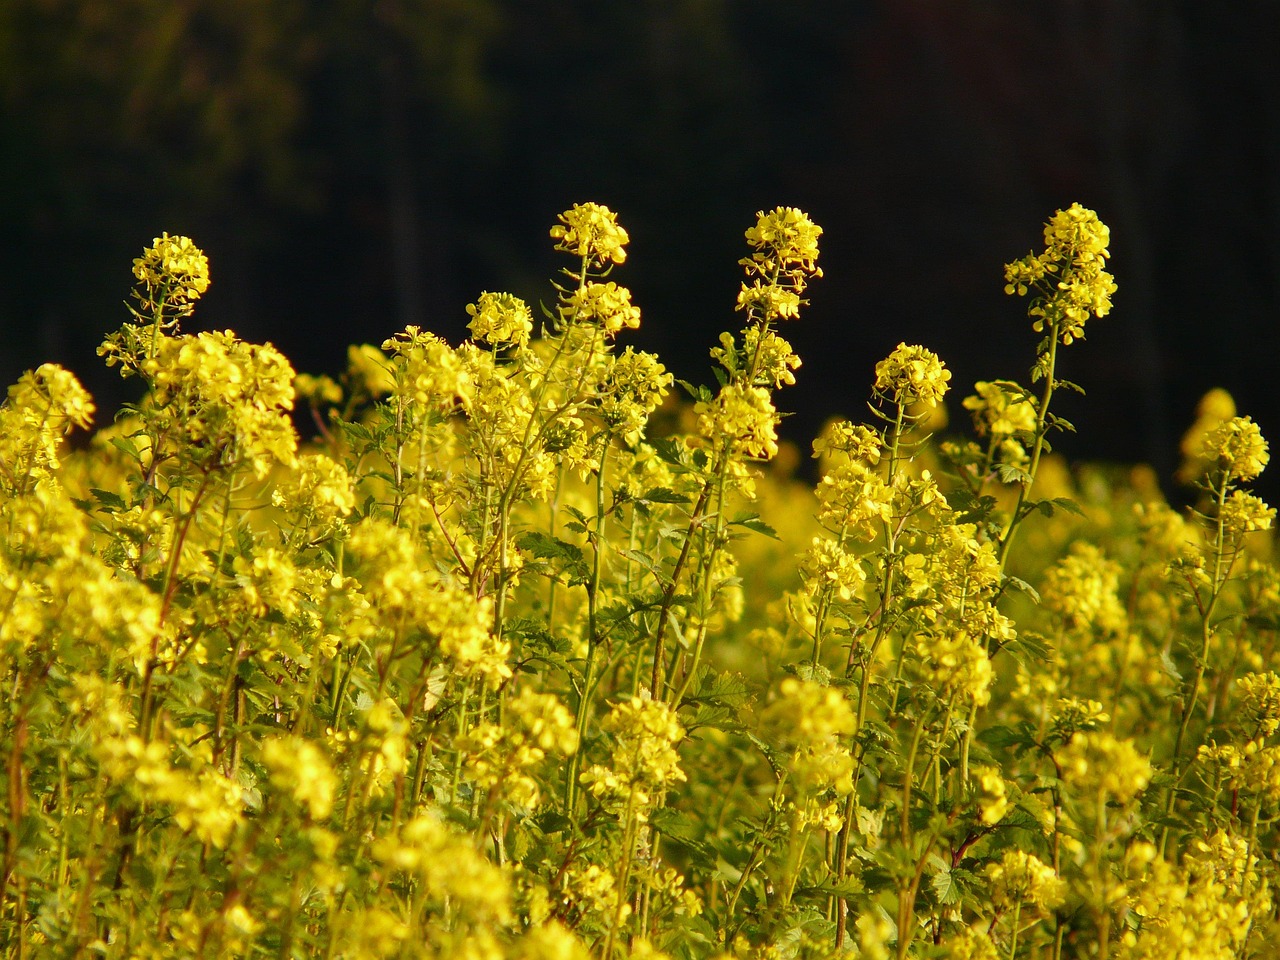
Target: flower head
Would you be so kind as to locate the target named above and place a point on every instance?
(912, 374)
(591, 231)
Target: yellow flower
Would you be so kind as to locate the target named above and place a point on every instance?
(1000, 410)
(1076, 254)
(172, 269)
(606, 304)
(301, 768)
(1237, 447)
(591, 231)
(500, 319)
(743, 415)
(1021, 877)
(1097, 762)
(912, 374)
(787, 237)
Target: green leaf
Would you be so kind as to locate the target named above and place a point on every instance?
(753, 522)
(111, 502)
(1021, 585)
(662, 495)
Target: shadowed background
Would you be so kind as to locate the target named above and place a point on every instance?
(353, 166)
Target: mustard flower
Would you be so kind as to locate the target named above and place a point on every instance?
(1215, 408)
(1237, 448)
(1097, 762)
(319, 488)
(956, 664)
(769, 302)
(500, 757)
(852, 495)
(591, 231)
(912, 374)
(631, 386)
(369, 367)
(549, 941)
(317, 391)
(301, 769)
(644, 760)
(500, 319)
(1023, 878)
(785, 237)
(1260, 700)
(605, 304)
(809, 720)
(765, 358)
(225, 395)
(41, 408)
(743, 415)
(1083, 589)
(826, 565)
(1069, 277)
(1244, 513)
(424, 368)
(476, 888)
(1000, 410)
(854, 441)
(970, 943)
(993, 801)
(172, 270)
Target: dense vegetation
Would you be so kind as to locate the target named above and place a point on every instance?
(521, 658)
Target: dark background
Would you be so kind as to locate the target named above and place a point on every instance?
(352, 166)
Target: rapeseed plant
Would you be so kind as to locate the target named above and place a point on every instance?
(521, 658)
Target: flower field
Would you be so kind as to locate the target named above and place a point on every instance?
(526, 650)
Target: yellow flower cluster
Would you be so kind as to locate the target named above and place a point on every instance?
(992, 796)
(604, 304)
(299, 769)
(1180, 915)
(424, 369)
(1001, 409)
(500, 319)
(1237, 448)
(1099, 763)
(591, 231)
(41, 408)
(809, 720)
(173, 270)
(850, 496)
(1082, 588)
(449, 869)
(1260, 701)
(317, 489)
(644, 761)
(842, 439)
(225, 396)
(955, 664)
(500, 757)
(404, 594)
(970, 943)
(827, 566)
(784, 239)
(1023, 878)
(1069, 277)
(912, 374)
(630, 387)
(742, 416)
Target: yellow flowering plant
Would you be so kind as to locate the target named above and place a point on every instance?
(499, 664)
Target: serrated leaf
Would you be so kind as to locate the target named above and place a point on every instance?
(753, 522)
(1067, 504)
(1021, 585)
(110, 500)
(662, 495)
(944, 884)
